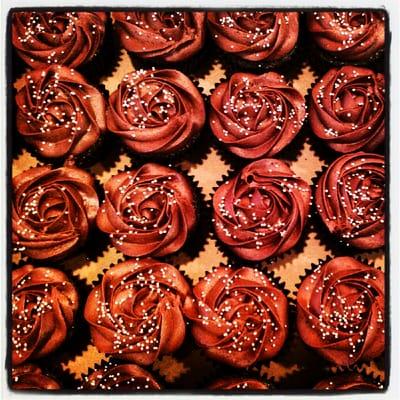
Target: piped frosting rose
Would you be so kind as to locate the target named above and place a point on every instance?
(31, 377)
(44, 303)
(68, 38)
(148, 211)
(156, 112)
(347, 109)
(52, 211)
(238, 316)
(255, 36)
(350, 199)
(239, 384)
(172, 36)
(351, 381)
(58, 112)
(135, 313)
(341, 311)
(262, 211)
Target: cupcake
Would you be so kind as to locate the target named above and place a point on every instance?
(168, 37)
(59, 113)
(31, 377)
(351, 381)
(347, 109)
(262, 211)
(350, 199)
(52, 211)
(68, 38)
(44, 303)
(239, 384)
(238, 316)
(149, 211)
(124, 377)
(156, 112)
(135, 313)
(341, 311)
(355, 36)
(256, 115)
(257, 38)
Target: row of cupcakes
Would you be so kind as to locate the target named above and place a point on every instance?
(152, 210)
(161, 112)
(141, 310)
(255, 37)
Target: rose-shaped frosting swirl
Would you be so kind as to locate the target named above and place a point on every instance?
(238, 384)
(341, 311)
(136, 312)
(347, 109)
(262, 211)
(52, 211)
(67, 38)
(238, 317)
(256, 116)
(58, 112)
(172, 36)
(31, 377)
(255, 36)
(124, 377)
(350, 198)
(44, 303)
(156, 111)
(350, 36)
(148, 211)
(352, 381)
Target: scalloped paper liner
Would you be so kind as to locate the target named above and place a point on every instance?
(193, 369)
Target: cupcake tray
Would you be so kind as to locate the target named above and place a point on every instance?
(296, 367)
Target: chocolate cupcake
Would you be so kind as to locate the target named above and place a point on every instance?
(238, 316)
(347, 109)
(350, 199)
(262, 211)
(59, 113)
(124, 377)
(44, 304)
(169, 37)
(68, 38)
(31, 377)
(258, 38)
(341, 311)
(156, 112)
(52, 211)
(149, 211)
(135, 313)
(351, 381)
(238, 384)
(356, 36)
(256, 115)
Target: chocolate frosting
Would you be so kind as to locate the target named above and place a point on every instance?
(68, 38)
(352, 381)
(44, 304)
(341, 311)
(136, 311)
(31, 377)
(350, 36)
(156, 111)
(58, 112)
(52, 211)
(172, 36)
(147, 211)
(262, 211)
(256, 116)
(125, 377)
(350, 198)
(347, 109)
(238, 316)
(255, 36)
(238, 384)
